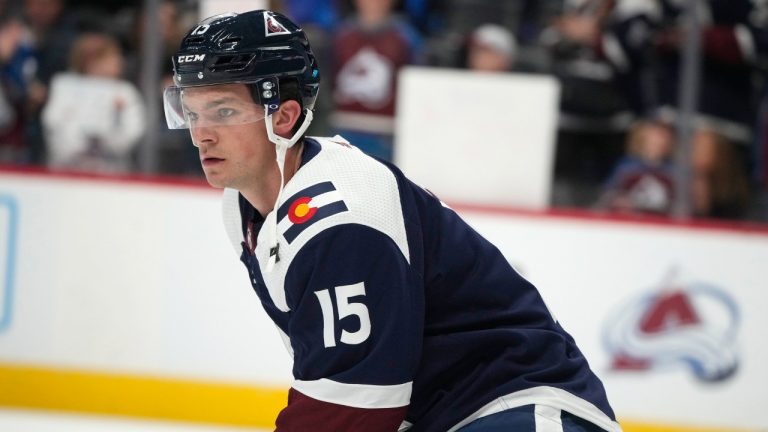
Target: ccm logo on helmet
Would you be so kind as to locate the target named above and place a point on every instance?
(191, 58)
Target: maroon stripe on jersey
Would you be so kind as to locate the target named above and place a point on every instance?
(304, 413)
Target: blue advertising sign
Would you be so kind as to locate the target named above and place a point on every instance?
(8, 230)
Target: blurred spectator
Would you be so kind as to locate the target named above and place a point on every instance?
(93, 118)
(7, 113)
(491, 48)
(465, 15)
(317, 13)
(422, 14)
(720, 188)
(369, 49)
(643, 180)
(17, 68)
(53, 31)
(761, 158)
(172, 18)
(594, 114)
(318, 19)
(452, 21)
(648, 38)
(175, 152)
(734, 35)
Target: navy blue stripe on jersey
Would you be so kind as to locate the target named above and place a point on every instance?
(311, 149)
(571, 423)
(322, 213)
(520, 419)
(310, 192)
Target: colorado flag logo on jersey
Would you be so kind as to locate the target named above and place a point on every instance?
(308, 206)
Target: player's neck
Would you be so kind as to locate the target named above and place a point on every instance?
(264, 194)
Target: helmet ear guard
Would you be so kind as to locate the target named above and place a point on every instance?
(288, 142)
(266, 92)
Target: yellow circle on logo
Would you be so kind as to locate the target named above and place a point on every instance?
(301, 210)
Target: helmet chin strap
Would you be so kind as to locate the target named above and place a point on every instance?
(281, 146)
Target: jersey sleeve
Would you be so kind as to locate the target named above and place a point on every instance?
(356, 328)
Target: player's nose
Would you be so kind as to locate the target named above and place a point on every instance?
(203, 136)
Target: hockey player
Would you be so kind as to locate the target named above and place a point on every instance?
(397, 313)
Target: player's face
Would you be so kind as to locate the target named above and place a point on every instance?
(227, 127)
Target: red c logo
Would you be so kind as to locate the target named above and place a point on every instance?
(300, 211)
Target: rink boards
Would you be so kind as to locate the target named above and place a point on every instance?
(125, 297)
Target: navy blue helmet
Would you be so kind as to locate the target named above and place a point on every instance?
(259, 47)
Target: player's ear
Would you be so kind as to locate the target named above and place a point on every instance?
(285, 117)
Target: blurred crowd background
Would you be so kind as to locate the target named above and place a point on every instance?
(76, 92)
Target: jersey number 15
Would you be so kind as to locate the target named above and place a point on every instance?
(345, 308)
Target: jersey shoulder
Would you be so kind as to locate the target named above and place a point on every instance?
(338, 186)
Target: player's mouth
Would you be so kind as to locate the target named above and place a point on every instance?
(211, 161)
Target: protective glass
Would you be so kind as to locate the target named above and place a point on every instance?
(208, 106)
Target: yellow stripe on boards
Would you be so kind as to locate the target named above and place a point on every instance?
(174, 399)
(138, 396)
(637, 426)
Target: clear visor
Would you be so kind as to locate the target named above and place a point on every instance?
(209, 106)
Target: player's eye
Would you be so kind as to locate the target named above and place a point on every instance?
(225, 112)
(192, 116)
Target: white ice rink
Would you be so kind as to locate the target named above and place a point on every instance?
(47, 421)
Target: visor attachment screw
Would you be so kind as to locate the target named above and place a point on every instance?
(267, 94)
(269, 85)
(200, 75)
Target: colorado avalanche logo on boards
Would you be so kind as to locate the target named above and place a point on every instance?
(692, 325)
(272, 27)
(8, 228)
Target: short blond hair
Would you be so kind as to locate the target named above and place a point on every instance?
(90, 47)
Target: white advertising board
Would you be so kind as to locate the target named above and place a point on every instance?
(134, 279)
(478, 138)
